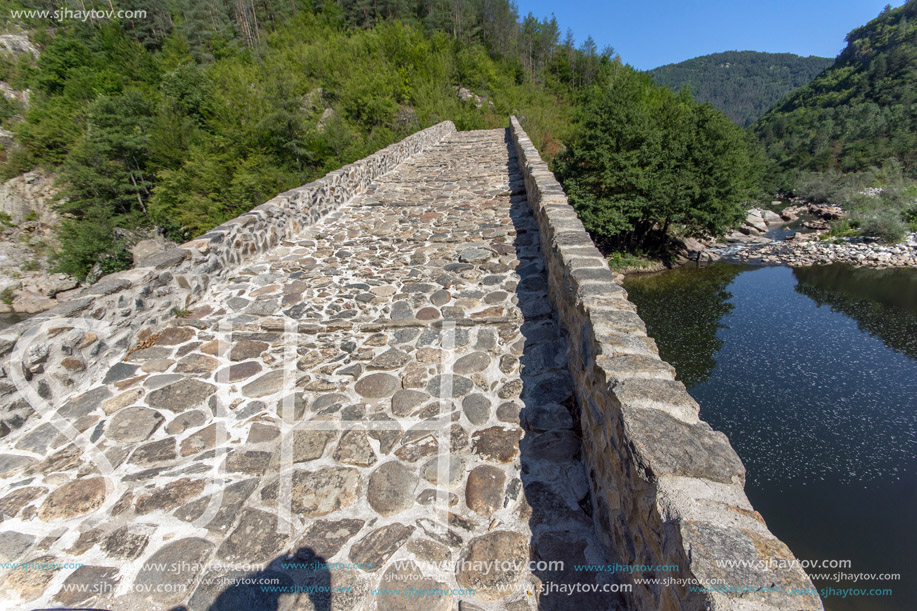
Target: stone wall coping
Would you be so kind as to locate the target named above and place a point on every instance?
(666, 487)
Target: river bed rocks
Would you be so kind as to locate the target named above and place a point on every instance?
(798, 253)
(798, 249)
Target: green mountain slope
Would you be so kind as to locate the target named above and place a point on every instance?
(859, 113)
(176, 128)
(742, 84)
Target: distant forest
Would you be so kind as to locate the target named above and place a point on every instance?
(742, 84)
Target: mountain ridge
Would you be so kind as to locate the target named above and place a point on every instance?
(754, 82)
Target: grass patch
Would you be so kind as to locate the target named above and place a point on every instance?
(842, 228)
(6, 296)
(625, 262)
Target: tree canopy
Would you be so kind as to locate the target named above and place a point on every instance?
(643, 159)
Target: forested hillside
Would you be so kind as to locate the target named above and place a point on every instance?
(201, 111)
(742, 84)
(176, 122)
(860, 112)
(850, 136)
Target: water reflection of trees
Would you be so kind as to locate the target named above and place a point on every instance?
(882, 302)
(683, 309)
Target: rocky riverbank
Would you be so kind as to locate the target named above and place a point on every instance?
(794, 237)
(853, 251)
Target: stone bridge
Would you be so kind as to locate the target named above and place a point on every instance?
(415, 375)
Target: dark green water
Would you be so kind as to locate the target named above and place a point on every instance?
(812, 373)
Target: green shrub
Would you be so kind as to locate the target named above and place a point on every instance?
(910, 217)
(887, 226)
(87, 244)
(6, 296)
(625, 261)
(843, 228)
(31, 266)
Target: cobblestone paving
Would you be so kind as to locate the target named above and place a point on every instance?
(388, 391)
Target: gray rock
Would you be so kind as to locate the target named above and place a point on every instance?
(472, 363)
(455, 468)
(320, 492)
(391, 488)
(449, 386)
(73, 499)
(377, 385)
(475, 255)
(374, 550)
(14, 544)
(133, 424)
(127, 542)
(404, 401)
(309, 445)
(663, 445)
(390, 359)
(182, 395)
(325, 538)
(9, 463)
(121, 371)
(401, 310)
(267, 384)
(547, 417)
(354, 449)
(257, 538)
(169, 574)
(484, 489)
(497, 443)
(395, 577)
(87, 582)
(506, 555)
(477, 408)
(554, 446)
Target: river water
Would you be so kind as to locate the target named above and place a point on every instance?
(812, 373)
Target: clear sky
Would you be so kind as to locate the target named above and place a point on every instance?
(651, 33)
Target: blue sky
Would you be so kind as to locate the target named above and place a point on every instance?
(650, 33)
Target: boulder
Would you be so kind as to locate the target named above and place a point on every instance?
(756, 221)
(29, 196)
(17, 44)
(327, 117)
(147, 248)
(771, 218)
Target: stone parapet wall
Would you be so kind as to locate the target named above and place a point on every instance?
(127, 304)
(666, 488)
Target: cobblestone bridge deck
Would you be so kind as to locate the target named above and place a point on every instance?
(387, 391)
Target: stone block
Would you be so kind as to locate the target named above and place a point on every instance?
(663, 445)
